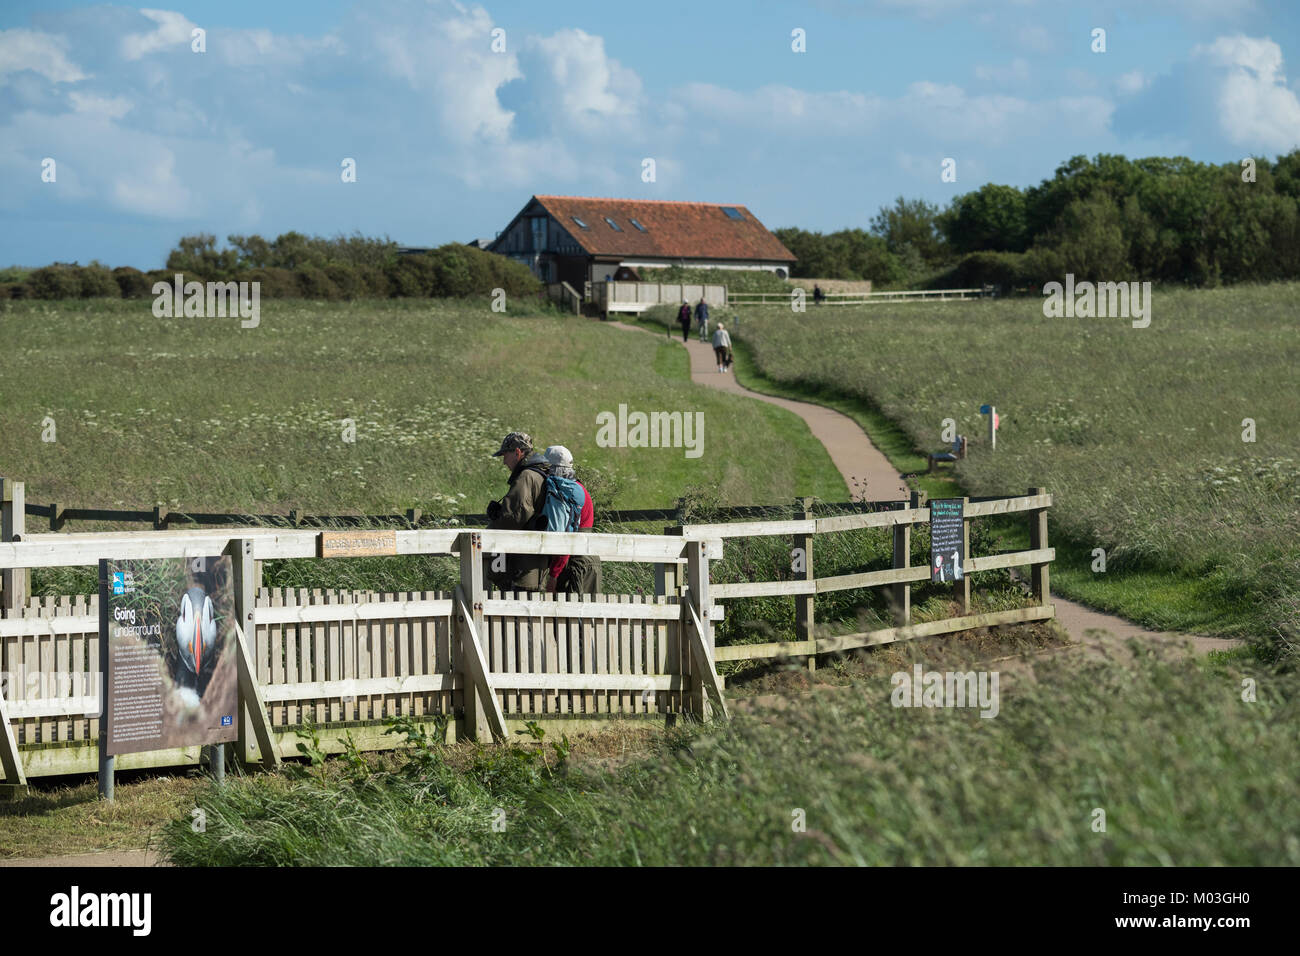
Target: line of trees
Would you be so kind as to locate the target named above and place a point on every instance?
(1168, 220)
(290, 266)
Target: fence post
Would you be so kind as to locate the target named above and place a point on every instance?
(668, 578)
(803, 603)
(1038, 573)
(15, 585)
(245, 588)
(964, 590)
(697, 598)
(903, 559)
(470, 545)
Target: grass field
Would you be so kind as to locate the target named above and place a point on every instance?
(200, 414)
(1136, 432)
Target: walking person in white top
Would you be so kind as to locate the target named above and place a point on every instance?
(722, 347)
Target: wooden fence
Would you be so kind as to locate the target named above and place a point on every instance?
(898, 579)
(735, 299)
(480, 664)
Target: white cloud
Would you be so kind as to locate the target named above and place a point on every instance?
(151, 186)
(1132, 82)
(580, 78)
(263, 49)
(443, 52)
(39, 52)
(1255, 106)
(173, 29)
(109, 107)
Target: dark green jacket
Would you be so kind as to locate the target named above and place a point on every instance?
(520, 509)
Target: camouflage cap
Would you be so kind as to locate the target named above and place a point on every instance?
(519, 441)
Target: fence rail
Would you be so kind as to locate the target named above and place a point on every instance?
(857, 298)
(482, 662)
(58, 515)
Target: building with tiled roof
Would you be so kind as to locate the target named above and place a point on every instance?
(577, 239)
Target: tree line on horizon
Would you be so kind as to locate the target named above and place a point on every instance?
(293, 265)
(1106, 218)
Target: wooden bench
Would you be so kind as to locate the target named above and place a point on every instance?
(958, 452)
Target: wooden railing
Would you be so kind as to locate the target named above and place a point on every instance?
(854, 298)
(898, 579)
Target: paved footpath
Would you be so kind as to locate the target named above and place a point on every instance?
(869, 474)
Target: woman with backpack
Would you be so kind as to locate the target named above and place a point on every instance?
(684, 319)
(578, 573)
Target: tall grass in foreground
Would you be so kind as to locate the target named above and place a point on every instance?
(1185, 771)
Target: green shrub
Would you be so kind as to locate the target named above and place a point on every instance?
(58, 281)
(96, 282)
(374, 281)
(452, 275)
(345, 280)
(274, 283)
(736, 280)
(199, 255)
(411, 276)
(131, 283)
(315, 284)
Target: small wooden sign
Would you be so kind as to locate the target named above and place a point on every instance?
(357, 544)
(947, 539)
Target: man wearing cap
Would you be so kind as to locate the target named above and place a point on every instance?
(517, 511)
(578, 573)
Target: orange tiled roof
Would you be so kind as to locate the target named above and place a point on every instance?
(674, 230)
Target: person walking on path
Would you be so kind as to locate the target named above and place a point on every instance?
(578, 573)
(722, 347)
(684, 319)
(702, 318)
(518, 511)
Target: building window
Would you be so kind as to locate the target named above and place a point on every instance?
(638, 225)
(612, 224)
(579, 222)
(732, 212)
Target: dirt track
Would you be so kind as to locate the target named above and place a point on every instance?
(869, 474)
(106, 858)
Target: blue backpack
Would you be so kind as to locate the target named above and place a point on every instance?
(562, 504)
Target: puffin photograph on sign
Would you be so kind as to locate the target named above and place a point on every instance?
(167, 634)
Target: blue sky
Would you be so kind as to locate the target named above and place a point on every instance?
(152, 140)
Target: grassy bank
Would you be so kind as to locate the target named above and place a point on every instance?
(1185, 772)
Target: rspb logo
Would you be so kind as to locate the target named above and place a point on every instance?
(227, 721)
(123, 582)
